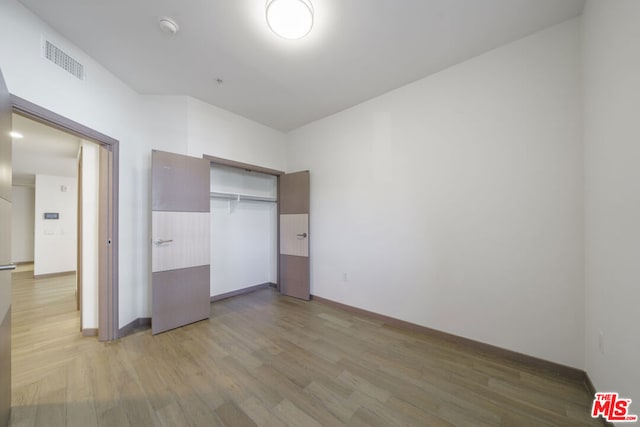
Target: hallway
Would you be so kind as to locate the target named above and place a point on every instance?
(46, 325)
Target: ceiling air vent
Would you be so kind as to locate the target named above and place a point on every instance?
(59, 57)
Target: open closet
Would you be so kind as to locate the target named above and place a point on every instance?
(222, 228)
(244, 230)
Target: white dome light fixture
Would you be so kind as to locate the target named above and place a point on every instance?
(290, 19)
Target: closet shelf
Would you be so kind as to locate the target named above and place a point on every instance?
(240, 197)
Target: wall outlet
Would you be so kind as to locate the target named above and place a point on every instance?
(345, 277)
(601, 341)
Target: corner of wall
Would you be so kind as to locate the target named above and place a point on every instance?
(611, 65)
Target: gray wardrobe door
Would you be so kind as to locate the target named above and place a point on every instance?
(293, 195)
(180, 240)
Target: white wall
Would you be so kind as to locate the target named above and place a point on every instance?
(104, 103)
(90, 193)
(456, 202)
(100, 102)
(165, 122)
(243, 233)
(219, 133)
(612, 182)
(185, 125)
(55, 241)
(22, 223)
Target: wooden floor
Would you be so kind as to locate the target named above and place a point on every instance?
(266, 360)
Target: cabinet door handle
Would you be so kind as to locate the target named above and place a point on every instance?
(161, 241)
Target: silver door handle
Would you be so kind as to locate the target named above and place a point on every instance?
(7, 267)
(161, 241)
(303, 235)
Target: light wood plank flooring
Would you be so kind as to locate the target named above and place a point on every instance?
(266, 360)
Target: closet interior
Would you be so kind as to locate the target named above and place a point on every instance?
(244, 240)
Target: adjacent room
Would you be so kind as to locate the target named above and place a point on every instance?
(54, 223)
(414, 212)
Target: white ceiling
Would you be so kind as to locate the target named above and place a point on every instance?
(43, 150)
(358, 49)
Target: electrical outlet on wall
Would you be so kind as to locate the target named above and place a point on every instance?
(345, 277)
(601, 341)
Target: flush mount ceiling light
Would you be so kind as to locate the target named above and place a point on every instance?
(290, 19)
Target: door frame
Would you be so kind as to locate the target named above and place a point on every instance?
(79, 238)
(108, 305)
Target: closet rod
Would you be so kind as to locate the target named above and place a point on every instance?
(241, 197)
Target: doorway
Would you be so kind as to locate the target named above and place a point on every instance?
(244, 230)
(47, 221)
(108, 227)
(44, 181)
(107, 208)
(287, 240)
